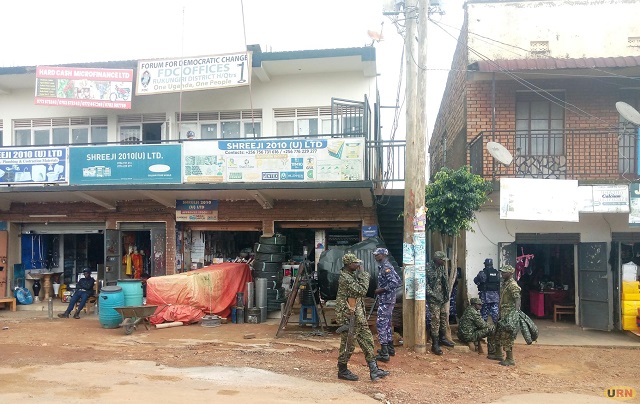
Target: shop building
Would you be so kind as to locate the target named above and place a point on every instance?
(567, 165)
(119, 174)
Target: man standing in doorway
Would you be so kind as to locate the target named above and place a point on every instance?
(488, 281)
(437, 288)
(388, 281)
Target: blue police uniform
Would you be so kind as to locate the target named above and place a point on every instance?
(388, 280)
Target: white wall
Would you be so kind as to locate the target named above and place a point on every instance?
(281, 92)
(574, 29)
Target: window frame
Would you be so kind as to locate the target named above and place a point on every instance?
(540, 142)
(194, 122)
(41, 125)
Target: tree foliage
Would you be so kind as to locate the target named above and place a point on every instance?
(453, 198)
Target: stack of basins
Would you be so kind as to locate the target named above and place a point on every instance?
(270, 254)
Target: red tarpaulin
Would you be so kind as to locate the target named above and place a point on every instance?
(211, 289)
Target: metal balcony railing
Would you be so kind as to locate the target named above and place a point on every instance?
(578, 154)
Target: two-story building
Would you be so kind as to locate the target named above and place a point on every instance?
(187, 161)
(530, 104)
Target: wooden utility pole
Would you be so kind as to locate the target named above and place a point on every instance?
(413, 175)
(420, 162)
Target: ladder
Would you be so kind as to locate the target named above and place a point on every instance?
(303, 272)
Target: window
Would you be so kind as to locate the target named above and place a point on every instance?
(303, 121)
(142, 128)
(60, 131)
(220, 125)
(1, 133)
(627, 137)
(540, 124)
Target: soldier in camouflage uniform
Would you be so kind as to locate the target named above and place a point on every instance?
(352, 287)
(471, 327)
(388, 281)
(507, 327)
(437, 284)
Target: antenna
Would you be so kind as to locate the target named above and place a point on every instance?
(500, 153)
(628, 112)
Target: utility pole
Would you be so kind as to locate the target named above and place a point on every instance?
(413, 175)
(421, 171)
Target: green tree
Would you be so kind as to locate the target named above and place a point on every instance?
(452, 199)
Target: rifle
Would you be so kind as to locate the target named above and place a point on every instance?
(372, 307)
(350, 326)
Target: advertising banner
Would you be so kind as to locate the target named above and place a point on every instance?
(40, 165)
(131, 164)
(196, 210)
(84, 87)
(262, 160)
(539, 199)
(193, 73)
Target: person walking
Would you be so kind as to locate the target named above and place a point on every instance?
(84, 290)
(471, 327)
(437, 289)
(352, 287)
(488, 282)
(388, 281)
(507, 326)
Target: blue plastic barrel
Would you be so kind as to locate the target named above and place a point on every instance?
(132, 289)
(110, 297)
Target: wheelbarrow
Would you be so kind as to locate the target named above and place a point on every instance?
(134, 315)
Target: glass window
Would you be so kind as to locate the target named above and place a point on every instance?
(307, 127)
(80, 135)
(23, 137)
(230, 130)
(285, 128)
(539, 125)
(209, 131)
(99, 134)
(60, 136)
(1, 137)
(252, 129)
(41, 137)
(130, 134)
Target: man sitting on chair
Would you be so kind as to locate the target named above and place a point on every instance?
(84, 290)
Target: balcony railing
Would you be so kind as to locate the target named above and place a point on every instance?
(578, 154)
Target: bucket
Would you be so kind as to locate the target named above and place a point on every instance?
(234, 318)
(110, 297)
(132, 289)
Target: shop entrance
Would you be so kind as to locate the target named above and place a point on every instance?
(546, 274)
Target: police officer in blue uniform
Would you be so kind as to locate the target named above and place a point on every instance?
(388, 281)
(488, 281)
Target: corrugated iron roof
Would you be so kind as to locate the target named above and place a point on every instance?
(555, 64)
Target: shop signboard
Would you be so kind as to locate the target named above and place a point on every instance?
(29, 165)
(539, 199)
(84, 87)
(125, 164)
(274, 160)
(634, 203)
(193, 73)
(369, 231)
(196, 210)
(611, 198)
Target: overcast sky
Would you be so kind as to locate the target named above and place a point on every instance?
(73, 31)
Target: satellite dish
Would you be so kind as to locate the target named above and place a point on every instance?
(499, 152)
(628, 112)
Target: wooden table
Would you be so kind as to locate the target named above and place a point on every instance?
(541, 303)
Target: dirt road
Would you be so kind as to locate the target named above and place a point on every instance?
(71, 360)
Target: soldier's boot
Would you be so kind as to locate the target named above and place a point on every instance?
(509, 360)
(384, 353)
(382, 373)
(63, 315)
(444, 341)
(497, 353)
(472, 346)
(479, 347)
(76, 315)
(435, 346)
(391, 349)
(346, 374)
(373, 371)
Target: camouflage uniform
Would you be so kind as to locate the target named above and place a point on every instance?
(388, 280)
(507, 327)
(437, 297)
(471, 326)
(353, 285)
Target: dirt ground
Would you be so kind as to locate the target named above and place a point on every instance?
(43, 360)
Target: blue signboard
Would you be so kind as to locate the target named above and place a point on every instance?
(41, 165)
(369, 231)
(130, 164)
